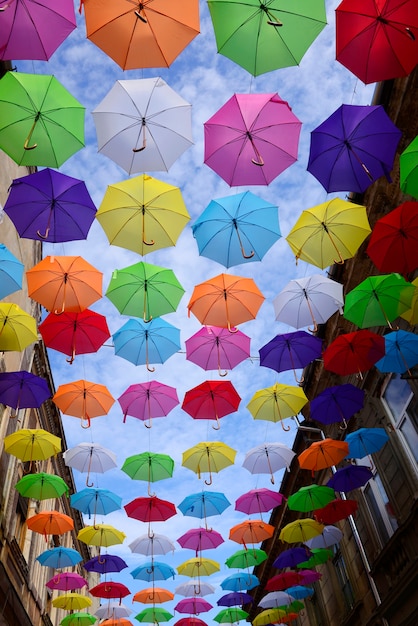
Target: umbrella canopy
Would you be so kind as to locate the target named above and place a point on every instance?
(268, 458)
(72, 601)
(235, 598)
(150, 509)
(113, 610)
(276, 599)
(17, 328)
(230, 616)
(101, 535)
(310, 498)
(78, 619)
(300, 531)
(149, 466)
(265, 37)
(337, 404)
(225, 301)
(190, 621)
(195, 588)
(90, 457)
(145, 401)
(211, 400)
(50, 206)
(329, 536)
(83, 399)
(246, 558)
(41, 486)
(376, 42)
(50, 523)
(66, 581)
(354, 352)
(41, 122)
(94, 501)
(329, 233)
(204, 504)
(252, 139)
(154, 615)
(319, 555)
(336, 510)
(208, 457)
(308, 576)
(322, 454)
(153, 570)
(193, 606)
(120, 621)
(199, 539)
(300, 592)
(110, 589)
(23, 389)
(105, 563)
(214, 348)
(32, 444)
(401, 352)
(60, 557)
(291, 558)
(240, 581)
(284, 580)
(151, 34)
(276, 403)
(11, 272)
(365, 441)
(197, 567)
(237, 229)
(251, 532)
(153, 595)
(258, 501)
(290, 351)
(269, 616)
(408, 169)
(350, 477)
(150, 545)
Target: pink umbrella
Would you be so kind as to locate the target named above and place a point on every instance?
(66, 581)
(309, 576)
(147, 400)
(214, 348)
(258, 501)
(193, 606)
(199, 539)
(251, 139)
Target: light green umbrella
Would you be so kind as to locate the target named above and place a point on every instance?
(246, 558)
(154, 615)
(230, 616)
(148, 466)
(78, 619)
(319, 556)
(310, 498)
(408, 169)
(41, 486)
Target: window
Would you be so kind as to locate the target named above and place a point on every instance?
(343, 579)
(380, 509)
(402, 407)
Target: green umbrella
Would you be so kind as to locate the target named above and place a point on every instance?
(408, 169)
(149, 466)
(154, 615)
(41, 123)
(78, 619)
(378, 300)
(246, 558)
(144, 290)
(231, 615)
(265, 36)
(319, 556)
(310, 498)
(41, 486)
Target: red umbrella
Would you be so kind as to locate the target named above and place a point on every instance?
(211, 400)
(335, 511)
(109, 589)
(216, 348)
(283, 581)
(150, 509)
(354, 353)
(147, 400)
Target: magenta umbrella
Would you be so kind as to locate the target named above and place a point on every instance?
(252, 139)
(214, 348)
(66, 581)
(199, 539)
(147, 400)
(193, 606)
(258, 501)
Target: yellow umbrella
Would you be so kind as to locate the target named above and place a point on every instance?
(72, 602)
(142, 214)
(32, 444)
(329, 233)
(17, 328)
(276, 403)
(101, 535)
(269, 616)
(197, 567)
(301, 530)
(411, 315)
(208, 457)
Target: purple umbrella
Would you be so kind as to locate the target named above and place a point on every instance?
(353, 147)
(235, 598)
(105, 563)
(258, 501)
(50, 206)
(350, 477)
(22, 390)
(214, 348)
(193, 606)
(292, 557)
(199, 539)
(337, 404)
(291, 351)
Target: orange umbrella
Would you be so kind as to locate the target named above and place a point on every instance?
(83, 399)
(322, 454)
(64, 283)
(251, 531)
(50, 523)
(225, 301)
(142, 34)
(153, 595)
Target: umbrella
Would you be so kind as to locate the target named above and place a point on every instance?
(353, 353)
(17, 328)
(291, 558)
(83, 399)
(376, 42)
(284, 580)
(66, 581)
(265, 37)
(300, 531)
(143, 124)
(329, 233)
(276, 403)
(309, 300)
(310, 498)
(150, 34)
(268, 458)
(337, 404)
(110, 589)
(154, 615)
(204, 504)
(322, 454)
(291, 351)
(350, 477)
(252, 139)
(41, 486)
(50, 206)
(401, 352)
(251, 532)
(50, 523)
(193, 606)
(329, 536)
(32, 444)
(225, 301)
(336, 510)
(299, 592)
(72, 601)
(78, 619)
(113, 610)
(240, 581)
(198, 566)
(74, 333)
(147, 400)
(105, 563)
(408, 171)
(230, 616)
(41, 122)
(149, 466)
(153, 570)
(11, 272)
(95, 501)
(34, 30)
(150, 509)
(144, 290)
(318, 557)
(353, 147)
(378, 300)
(211, 400)
(23, 389)
(246, 558)
(153, 595)
(276, 599)
(237, 229)
(258, 501)
(195, 587)
(90, 457)
(101, 535)
(60, 557)
(393, 243)
(208, 457)
(235, 598)
(308, 576)
(64, 283)
(121, 621)
(214, 348)
(156, 544)
(365, 441)
(190, 621)
(269, 616)
(199, 539)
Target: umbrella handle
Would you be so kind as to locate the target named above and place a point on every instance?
(144, 139)
(26, 145)
(7, 6)
(232, 329)
(141, 17)
(225, 373)
(45, 235)
(344, 424)
(144, 241)
(87, 420)
(150, 419)
(218, 425)
(246, 256)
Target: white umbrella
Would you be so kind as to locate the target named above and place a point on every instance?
(143, 125)
(90, 458)
(276, 599)
(195, 587)
(268, 458)
(329, 537)
(113, 610)
(156, 544)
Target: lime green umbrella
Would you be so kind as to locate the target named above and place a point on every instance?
(149, 466)
(231, 615)
(154, 615)
(41, 123)
(408, 169)
(246, 558)
(378, 300)
(78, 619)
(319, 556)
(41, 486)
(310, 498)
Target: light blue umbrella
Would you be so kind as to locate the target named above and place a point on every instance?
(240, 581)
(153, 570)
(59, 557)
(204, 504)
(299, 592)
(365, 441)
(401, 352)
(237, 229)
(11, 272)
(95, 501)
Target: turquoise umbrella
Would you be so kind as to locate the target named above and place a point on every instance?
(11, 272)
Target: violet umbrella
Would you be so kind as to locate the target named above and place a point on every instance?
(105, 563)
(215, 348)
(292, 557)
(235, 598)
(258, 501)
(22, 390)
(337, 404)
(193, 605)
(350, 477)
(291, 351)
(66, 581)
(199, 539)
(145, 401)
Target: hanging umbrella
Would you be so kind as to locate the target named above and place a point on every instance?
(11, 272)
(290, 351)
(265, 37)
(121, 621)
(376, 42)
(151, 34)
(144, 290)
(41, 122)
(66, 581)
(378, 300)
(195, 587)
(83, 399)
(299, 592)
(110, 589)
(90, 457)
(252, 139)
(154, 615)
(204, 504)
(96, 501)
(235, 598)
(156, 544)
(41, 486)
(101, 535)
(150, 509)
(336, 510)
(276, 599)
(284, 580)
(190, 621)
(198, 566)
(211, 400)
(105, 563)
(408, 169)
(50, 206)
(310, 498)
(237, 229)
(329, 233)
(300, 531)
(246, 558)
(214, 348)
(308, 576)
(194, 606)
(240, 581)
(153, 570)
(50, 523)
(60, 557)
(393, 245)
(291, 558)
(78, 619)
(230, 616)
(34, 30)
(258, 501)
(276, 403)
(350, 477)
(365, 441)
(143, 124)
(32, 444)
(401, 352)
(251, 532)
(322, 454)
(268, 458)
(149, 466)
(113, 610)
(319, 556)
(23, 389)
(199, 539)
(17, 328)
(145, 401)
(309, 300)
(354, 352)
(208, 457)
(153, 595)
(72, 601)
(269, 616)
(337, 404)
(225, 301)
(74, 333)
(329, 536)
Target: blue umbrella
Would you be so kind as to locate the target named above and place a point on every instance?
(291, 351)
(105, 563)
(292, 557)
(365, 441)
(237, 229)
(350, 477)
(59, 557)
(299, 592)
(95, 501)
(235, 598)
(204, 504)
(11, 272)
(153, 570)
(143, 343)
(240, 581)
(337, 404)
(401, 352)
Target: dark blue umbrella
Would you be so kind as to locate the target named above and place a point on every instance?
(23, 389)
(337, 404)
(59, 557)
(365, 441)
(292, 557)
(11, 272)
(290, 351)
(240, 581)
(235, 598)
(105, 563)
(350, 477)
(401, 352)
(153, 570)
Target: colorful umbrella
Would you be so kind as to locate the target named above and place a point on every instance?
(110, 589)
(83, 399)
(72, 601)
(284, 580)
(252, 139)
(291, 558)
(90, 457)
(336, 510)
(23, 389)
(150, 509)
(150, 34)
(121, 621)
(350, 477)
(32, 444)
(96, 501)
(195, 587)
(115, 611)
(401, 352)
(41, 486)
(199, 539)
(265, 37)
(268, 458)
(269, 616)
(251, 532)
(101, 535)
(230, 616)
(149, 466)
(214, 348)
(408, 169)
(153, 570)
(34, 30)
(17, 328)
(208, 457)
(276, 599)
(235, 598)
(354, 352)
(225, 301)
(211, 400)
(376, 42)
(11, 272)
(50, 523)
(258, 501)
(246, 558)
(308, 576)
(337, 404)
(194, 606)
(329, 536)
(41, 122)
(300, 531)
(237, 229)
(197, 567)
(365, 441)
(50, 206)
(240, 581)
(299, 592)
(66, 581)
(156, 544)
(310, 498)
(60, 557)
(318, 557)
(322, 454)
(329, 233)
(145, 401)
(276, 403)
(153, 595)
(290, 351)
(154, 615)
(78, 619)
(204, 504)
(190, 621)
(105, 563)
